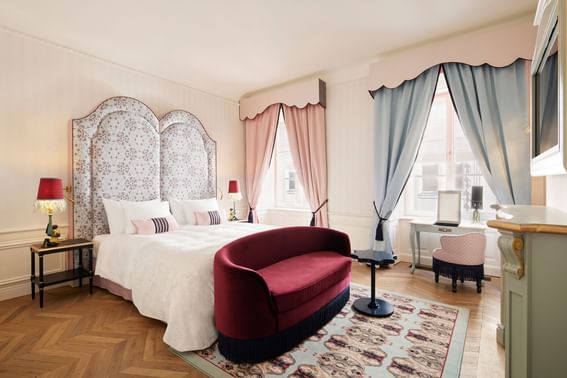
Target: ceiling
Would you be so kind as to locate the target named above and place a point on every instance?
(229, 48)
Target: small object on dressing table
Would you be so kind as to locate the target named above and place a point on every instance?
(476, 202)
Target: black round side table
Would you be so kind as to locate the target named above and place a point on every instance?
(373, 306)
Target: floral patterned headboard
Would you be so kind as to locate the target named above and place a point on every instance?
(122, 151)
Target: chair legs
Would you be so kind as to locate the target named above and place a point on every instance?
(457, 273)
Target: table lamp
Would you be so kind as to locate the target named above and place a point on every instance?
(476, 202)
(235, 195)
(50, 200)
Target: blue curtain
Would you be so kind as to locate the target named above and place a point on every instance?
(492, 105)
(400, 117)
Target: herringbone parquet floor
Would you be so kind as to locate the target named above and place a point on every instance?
(100, 335)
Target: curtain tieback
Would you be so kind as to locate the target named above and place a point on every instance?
(313, 213)
(251, 215)
(379, 231)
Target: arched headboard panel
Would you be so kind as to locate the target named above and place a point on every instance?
(119, 153)
(119, 128)
(188, 158)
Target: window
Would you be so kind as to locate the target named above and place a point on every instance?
(444, 162)
(281, 188)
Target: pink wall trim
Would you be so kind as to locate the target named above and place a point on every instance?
(296, 94)
(498, 46)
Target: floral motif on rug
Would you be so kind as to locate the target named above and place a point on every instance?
(420, 339)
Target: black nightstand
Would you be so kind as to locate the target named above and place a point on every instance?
(69, 275)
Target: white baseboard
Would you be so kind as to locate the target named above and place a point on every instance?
(15, 289)
(14, 253)
(21, 288)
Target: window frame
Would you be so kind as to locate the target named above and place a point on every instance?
(273, 194)
(450, 163)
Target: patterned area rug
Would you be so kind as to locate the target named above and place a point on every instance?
(421, 339)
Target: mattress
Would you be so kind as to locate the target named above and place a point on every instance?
(170, 276)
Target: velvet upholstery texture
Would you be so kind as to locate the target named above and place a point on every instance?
(311, 274)
(270, 282)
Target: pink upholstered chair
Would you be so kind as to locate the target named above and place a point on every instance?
(461, 257)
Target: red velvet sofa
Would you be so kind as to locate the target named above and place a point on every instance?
(275, 288)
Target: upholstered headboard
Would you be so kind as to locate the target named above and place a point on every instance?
(122, 151)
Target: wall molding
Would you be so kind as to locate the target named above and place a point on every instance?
(26, 277)
(359, 220)
(22, 288)
(16, 286)
(10, 239)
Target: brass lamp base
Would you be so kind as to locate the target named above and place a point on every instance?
(48, 243)
(476, 216)
(232, 215)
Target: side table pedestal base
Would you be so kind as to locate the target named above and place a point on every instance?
(382, 309)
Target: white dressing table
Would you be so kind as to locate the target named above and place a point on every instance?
(419, 226)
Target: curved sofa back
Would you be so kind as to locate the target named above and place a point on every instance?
(244, 307)
(262, 249)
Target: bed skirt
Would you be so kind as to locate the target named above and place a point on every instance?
(113, 287)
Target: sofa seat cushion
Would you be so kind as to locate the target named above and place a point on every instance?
(297, 280)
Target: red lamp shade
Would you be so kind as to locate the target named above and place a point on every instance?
(50, 189)
(233, 186)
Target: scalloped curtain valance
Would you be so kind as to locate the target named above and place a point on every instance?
(498, 46)
(298, 94)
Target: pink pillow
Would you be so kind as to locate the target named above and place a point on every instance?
(205, 218)
(155, 225)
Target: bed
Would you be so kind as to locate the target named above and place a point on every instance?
(122, 151)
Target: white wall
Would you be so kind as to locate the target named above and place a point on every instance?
(43, 87)
(350, 149)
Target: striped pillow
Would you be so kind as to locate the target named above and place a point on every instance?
(155, 225)
(205, 218)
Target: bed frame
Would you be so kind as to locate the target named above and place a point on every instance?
(122, 151)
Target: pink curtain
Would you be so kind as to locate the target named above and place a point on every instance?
(260, 138)
(306, 134)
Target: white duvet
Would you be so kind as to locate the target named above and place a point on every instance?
(171, 276)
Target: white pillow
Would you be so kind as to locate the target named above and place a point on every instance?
(115, 214)
(143, 210)
(177, 210)
(184, 210)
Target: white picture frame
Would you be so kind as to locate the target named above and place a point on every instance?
(449, 207)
